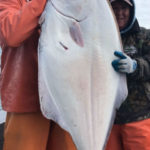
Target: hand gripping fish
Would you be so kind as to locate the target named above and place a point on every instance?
(78, 87)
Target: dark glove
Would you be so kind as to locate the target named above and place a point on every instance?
(124, 64)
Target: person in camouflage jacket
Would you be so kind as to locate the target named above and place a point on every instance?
(131, 130)
(137, 105)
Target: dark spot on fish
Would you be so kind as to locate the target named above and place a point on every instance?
(65, 47)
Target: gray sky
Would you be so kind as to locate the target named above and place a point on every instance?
(143, 12)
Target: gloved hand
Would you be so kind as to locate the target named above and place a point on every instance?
(124, 64)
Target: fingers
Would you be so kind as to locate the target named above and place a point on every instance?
(120, 65)
(123, 70)
(123, 61)
(119, 54)
(115, 64)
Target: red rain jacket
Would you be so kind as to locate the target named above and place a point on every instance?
(19, 39)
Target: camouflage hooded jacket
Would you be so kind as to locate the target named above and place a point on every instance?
(137, 105)
(136, 43)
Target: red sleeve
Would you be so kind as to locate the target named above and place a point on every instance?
(18, 20)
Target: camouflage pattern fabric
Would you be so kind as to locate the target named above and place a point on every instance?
(137, 105)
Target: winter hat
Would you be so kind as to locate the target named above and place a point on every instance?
(127, 1)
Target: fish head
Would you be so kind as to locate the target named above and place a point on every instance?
(72, 12)
(77, 9)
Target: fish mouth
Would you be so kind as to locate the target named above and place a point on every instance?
(65, 15)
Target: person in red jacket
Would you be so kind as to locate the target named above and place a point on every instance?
(25, 127)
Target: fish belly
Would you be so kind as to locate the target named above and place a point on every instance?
(78, 86)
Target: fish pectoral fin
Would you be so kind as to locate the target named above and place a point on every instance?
(76, 35)
(42, 18)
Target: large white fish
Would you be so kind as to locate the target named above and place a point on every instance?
(78, 87)
(2, 116)
(2, 113)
